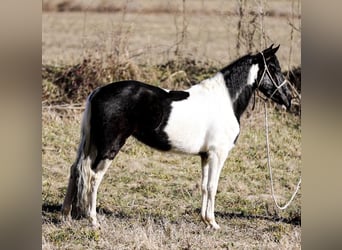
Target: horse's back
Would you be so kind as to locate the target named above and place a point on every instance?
(136, 93)
(129, 91)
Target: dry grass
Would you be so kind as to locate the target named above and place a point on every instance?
(151, 38)
(149, 199)
(118, 233)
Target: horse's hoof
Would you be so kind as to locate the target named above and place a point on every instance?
(65, 217)
(95, 224)
(213, 225)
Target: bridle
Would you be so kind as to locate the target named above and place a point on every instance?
(266, 71)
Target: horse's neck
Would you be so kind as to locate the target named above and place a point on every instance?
(240, 94)
(241, 100)
(240, 87)
(214, 82)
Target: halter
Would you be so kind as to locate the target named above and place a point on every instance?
(266, 70)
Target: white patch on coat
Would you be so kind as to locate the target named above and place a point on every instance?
(253, 74)
(205, 120)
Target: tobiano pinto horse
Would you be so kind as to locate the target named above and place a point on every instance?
(203, 120)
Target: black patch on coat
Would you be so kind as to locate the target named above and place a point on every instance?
(235, 76)
(176, 95)
(126, 108)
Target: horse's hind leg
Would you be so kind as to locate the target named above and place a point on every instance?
(106, 154)
(99, 172)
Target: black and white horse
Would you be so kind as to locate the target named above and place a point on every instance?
(203, 120)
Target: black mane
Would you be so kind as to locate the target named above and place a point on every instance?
(235, 76)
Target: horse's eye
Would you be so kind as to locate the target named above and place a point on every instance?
(271, 67)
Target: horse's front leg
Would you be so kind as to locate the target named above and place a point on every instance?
(216, 161)
(204, 186)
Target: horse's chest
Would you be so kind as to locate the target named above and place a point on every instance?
(193, 130)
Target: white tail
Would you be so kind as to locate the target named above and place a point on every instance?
(84, 162)
(80, 188)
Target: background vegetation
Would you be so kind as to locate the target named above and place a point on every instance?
(148, 199)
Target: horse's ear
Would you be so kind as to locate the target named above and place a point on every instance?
(269, 52)
(274, 50)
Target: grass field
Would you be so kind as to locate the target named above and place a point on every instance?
(149, 199)
(150, 35)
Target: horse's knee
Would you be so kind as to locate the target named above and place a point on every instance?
(204, 189)
(212, 189)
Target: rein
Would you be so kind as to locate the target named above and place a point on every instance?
(267, 139)
(270, 169)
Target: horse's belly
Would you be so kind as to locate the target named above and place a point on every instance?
(185, 140)
(186, 133)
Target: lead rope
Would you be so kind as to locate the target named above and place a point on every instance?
(270, 169)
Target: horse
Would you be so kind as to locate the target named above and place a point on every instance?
(202, 120)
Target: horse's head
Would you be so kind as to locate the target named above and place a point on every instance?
(271, 82)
